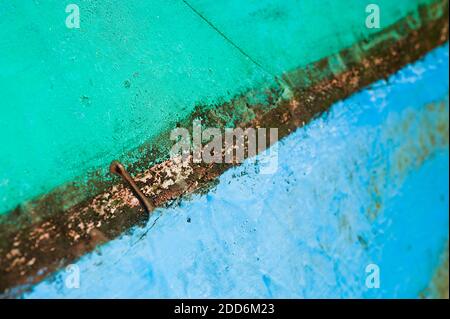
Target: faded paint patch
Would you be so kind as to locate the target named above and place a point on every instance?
(427, 133)
(439, 285)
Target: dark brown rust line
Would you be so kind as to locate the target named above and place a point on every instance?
(118, 169)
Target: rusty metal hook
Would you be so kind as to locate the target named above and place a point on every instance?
(118, 169)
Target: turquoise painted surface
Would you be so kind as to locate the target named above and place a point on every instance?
(73, 100)
(284, 35)
(64, 101)
(366, 183)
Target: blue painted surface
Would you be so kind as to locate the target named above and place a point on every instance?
(366, 183)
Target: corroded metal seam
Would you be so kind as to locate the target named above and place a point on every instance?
(39, 247)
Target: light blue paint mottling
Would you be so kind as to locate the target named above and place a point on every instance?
(366, 183)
